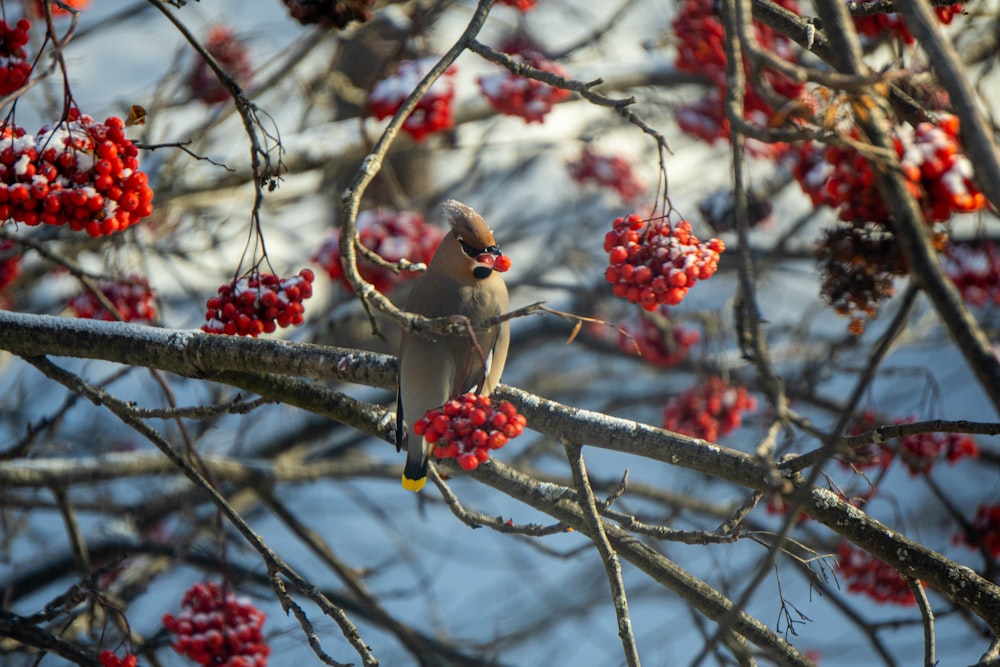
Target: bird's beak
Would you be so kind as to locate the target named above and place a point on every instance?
(487, 258)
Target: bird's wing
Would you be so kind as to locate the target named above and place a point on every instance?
(497, 359)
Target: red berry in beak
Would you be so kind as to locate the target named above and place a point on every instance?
(501, 263)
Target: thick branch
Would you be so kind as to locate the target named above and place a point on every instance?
(188, 353)
(110, 341)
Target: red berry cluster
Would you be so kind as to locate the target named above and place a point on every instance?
(258, 304)
(217, 628)
(59, 11)
(931, 158)
(875, 578)
(393, 235)
(919, 452)
(662, 344)
(946, 14)
(131, 296)
(938, 175)
(109, 659)
(468, 427)
(984, 531)
(610, 171)
(330, 13)
(701, 50)
(79, 173)
(705, 119)
(872, 455)
(14, 66)
(519, 5)
(655, 262)
(231, 53)
(776, 506)
(877, 27)
(708, 410)
(432, 114)
(10, 262)
(859, 262)
(514, 95)
(974, 267)
(701, 44)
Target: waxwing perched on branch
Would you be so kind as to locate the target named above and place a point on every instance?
(460, 280)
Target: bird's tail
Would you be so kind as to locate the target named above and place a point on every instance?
(415, 471)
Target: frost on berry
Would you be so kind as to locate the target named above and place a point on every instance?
(973, 266)
(468, 427)
(653, 262)
(109, 659)
(984, 531)
(214, 627)
(330, 13)
(658, 340)
(610, 171)
(131, 296)
(433, 112)
(232, 55)
(14, 66)
(938, 175)
(393, 236)
(708, 410)
(864, 573)
(259, 303)
(514, 95)
(701, 50)
(78, 173)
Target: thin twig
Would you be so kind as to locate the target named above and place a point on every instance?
(582, 88)
(372, 164)
(927, 618)
(479, 520)
(612, 566)
(123, 411)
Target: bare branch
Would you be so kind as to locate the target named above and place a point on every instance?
(611, 565)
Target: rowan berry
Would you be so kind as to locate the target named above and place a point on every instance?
(466, 428)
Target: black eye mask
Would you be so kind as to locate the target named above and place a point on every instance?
(481, 272)
(474, 252)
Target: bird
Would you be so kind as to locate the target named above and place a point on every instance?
(434, 368)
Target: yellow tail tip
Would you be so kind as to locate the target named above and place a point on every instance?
(413, 484)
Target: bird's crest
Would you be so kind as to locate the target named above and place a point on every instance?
(468, 226)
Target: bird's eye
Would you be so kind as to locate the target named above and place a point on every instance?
(469, 250)
(474, 252)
